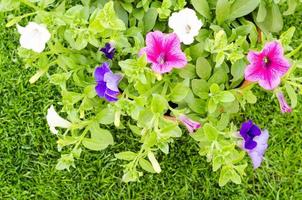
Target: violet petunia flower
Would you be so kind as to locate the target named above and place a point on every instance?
(268, 66)
(189, 123)
(163, 52)
(108, 50)
(107, 83)
(254, 141)
(284, 107)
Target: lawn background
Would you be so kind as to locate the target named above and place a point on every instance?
(28, 152)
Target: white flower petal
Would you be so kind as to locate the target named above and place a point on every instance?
(54, 120)
(34, 36)
(185, 24)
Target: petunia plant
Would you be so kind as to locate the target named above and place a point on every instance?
(162, 69)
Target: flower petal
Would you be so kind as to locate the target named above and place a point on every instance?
(250, 144)
(256, 159)
(55, 120)
(154, 42)
(270, 80)
(112, 81)
(245, 127)
(100, 72)
(100, 89)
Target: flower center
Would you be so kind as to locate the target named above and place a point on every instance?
(161, 58)
(266, 61)
(188, 28)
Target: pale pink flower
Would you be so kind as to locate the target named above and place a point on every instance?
(163, 52)
(189, 123)
(268, 66)
(284, 107)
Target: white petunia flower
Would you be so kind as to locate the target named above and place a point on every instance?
(154, 162)
(185, 24)
(54, 120)
(33, 36)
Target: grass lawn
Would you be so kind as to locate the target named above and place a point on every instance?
(28, 153)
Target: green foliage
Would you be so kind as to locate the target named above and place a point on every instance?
(208, 89)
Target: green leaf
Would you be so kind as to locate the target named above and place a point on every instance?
(203, 68)
(150, 140)
(292, 5)
(126, 155)
(222, 11)
(65, 162)
(241, 8)
(187, 72)
(210, 132)
(292, 95)
(212, 106)
(223, 122)
(105, 116)
(99, 140)
(202, 7)
(237, 70)
(66, 140)
(261, 12)
(273, 21)
(215, 89)
(250, 97)
(226, 97)
(8, 5)
(158, 104)
(145, 119)
(200, 88)
(150, 19)
(170, 129)
(225, 175)
(219, 77)
(217, 162)
(106, 19)
(179, 92)
(146, 165)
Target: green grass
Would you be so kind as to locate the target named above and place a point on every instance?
(28, 153)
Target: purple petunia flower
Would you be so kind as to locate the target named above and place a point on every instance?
(189, 123)
(268, 66)
(107, 83)
(164, 52)
(254, 141)
(284, 107)
(108, 50)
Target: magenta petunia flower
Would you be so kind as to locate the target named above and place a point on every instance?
(189, 123)
(284, 107)
(164, 52)
(254, 141)
(107, 83)
(268, 66)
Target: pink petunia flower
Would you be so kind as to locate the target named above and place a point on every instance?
(284, 107)
(189, 123)
(163, 52)
(268, 66)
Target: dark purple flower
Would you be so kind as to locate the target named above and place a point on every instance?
(284, 107)
(189, 123)
(108, 50)
(254, 141)
(107, 82)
